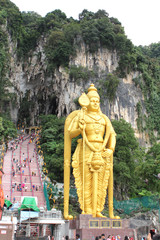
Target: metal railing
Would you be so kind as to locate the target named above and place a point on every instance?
(53, 214)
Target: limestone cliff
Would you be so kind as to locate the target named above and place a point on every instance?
(56, 93)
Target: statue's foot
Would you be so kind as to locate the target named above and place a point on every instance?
(88, 211)
(98, 214)
(114, 217)
(68, 217)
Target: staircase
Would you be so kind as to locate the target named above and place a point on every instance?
(22, 175)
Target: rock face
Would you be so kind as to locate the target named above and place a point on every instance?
(56, 93)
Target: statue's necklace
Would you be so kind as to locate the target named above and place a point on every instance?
(98, 125)
(96, 119)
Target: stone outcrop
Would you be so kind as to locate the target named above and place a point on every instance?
(56, 93)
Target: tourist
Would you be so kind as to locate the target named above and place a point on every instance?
(152, 232)
(156, 237)
(126, 238)
(77, 236)
(153, 236)
(109, 237)
(118, 237)
(103, 236)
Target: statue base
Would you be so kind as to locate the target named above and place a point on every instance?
(89, 227)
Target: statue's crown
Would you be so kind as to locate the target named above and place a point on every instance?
(92, 91)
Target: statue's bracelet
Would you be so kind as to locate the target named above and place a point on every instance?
(111, 149)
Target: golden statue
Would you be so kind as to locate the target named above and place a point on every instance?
(92, 160)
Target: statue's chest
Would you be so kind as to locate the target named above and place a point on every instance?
(94, 119)
(96, 124)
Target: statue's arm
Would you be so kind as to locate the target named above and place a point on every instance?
(74, 129)
(112, 140)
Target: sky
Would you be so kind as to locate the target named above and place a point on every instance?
(140, 18)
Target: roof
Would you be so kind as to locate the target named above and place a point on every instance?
(7, 203)
(29, 204)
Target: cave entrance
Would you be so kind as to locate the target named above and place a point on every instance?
(53, 105)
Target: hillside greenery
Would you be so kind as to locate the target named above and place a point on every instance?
(8, 129)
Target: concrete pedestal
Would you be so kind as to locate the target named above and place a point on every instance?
(89, 227)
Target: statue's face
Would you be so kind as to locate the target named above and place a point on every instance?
(94, 104)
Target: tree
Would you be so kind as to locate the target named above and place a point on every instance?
(108, 86)
(85, 14)
(52, 145)
(149, 169)
(7, 129)
(100, 14)
(126, 157)
(58, 50)
(55, 20)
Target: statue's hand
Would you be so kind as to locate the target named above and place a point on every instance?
(82, 124)
(107, 153)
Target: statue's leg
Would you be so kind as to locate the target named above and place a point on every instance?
(102, 187)
(94, 193)
(87, 189)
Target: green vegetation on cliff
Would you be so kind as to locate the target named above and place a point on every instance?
(149, 82)
(64, 36)
(7, 129)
